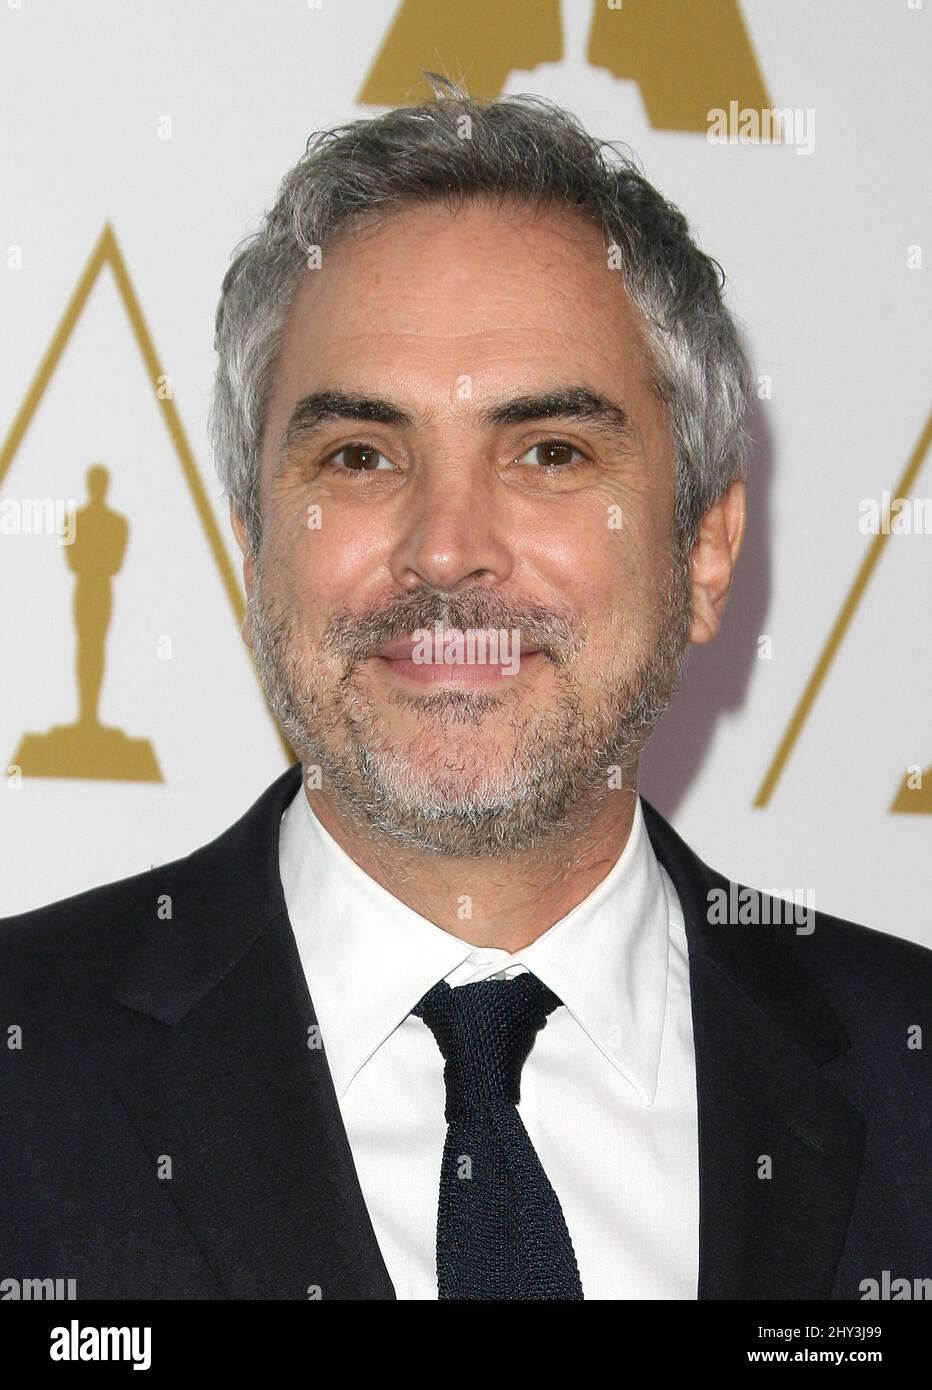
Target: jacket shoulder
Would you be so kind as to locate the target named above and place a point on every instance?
(87, 933)
(221, 887)
(855, 964)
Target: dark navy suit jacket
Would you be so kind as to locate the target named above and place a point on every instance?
(153, 1047)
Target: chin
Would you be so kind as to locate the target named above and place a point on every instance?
(427, 775)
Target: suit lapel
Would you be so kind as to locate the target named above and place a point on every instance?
(217, 1075)
(762, 1029)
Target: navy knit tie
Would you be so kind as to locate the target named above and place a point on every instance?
(500, 1228)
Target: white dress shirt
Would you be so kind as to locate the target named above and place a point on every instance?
(608, 1092)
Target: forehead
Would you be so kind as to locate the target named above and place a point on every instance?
(509, 298)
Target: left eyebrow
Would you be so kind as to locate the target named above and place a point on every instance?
(564, 403)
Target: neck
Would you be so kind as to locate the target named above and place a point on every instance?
(504, 902)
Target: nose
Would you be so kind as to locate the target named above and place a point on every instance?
(452, 530)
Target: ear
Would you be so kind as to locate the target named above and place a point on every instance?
(712, 563)
(249, 566)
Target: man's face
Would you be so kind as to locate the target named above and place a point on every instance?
(470, 497)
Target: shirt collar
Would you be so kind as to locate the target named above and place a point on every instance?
(369, 958)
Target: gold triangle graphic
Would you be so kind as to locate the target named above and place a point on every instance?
(905, 799)
(912, 799)
(686, 57)
(484, 41)
(107, 252)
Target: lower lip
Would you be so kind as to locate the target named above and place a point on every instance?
(427, 673)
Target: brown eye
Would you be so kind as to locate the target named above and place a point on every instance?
(358, 458)
(553, 453)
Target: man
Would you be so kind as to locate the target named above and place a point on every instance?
(452, 1011)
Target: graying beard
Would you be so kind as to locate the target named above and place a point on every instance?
(555, 801)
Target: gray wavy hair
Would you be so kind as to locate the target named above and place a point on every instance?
(517, 148)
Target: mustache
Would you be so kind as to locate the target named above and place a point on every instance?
(358, 634)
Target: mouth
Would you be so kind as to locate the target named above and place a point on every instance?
(404, 660)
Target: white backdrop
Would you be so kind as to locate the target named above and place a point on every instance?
(823, 253)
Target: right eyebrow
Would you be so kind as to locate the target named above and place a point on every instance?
(321, 407)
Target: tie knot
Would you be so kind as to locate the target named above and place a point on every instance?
(485, 1032)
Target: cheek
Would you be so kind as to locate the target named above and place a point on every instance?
(615, 577)
(323, 559)
(605, 563)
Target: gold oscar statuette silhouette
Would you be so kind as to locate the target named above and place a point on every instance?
(88, 749)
